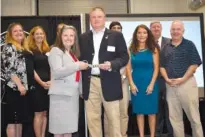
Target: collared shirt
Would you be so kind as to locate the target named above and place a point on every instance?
(160, 42)
(177, 60)
(97, 38)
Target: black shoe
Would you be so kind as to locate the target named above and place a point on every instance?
(170, 135)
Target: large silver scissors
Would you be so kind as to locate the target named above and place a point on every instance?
(90, 65)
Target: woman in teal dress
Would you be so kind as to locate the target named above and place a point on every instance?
(144, 63)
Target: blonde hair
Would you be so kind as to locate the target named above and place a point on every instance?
(10, 39)
(97, 8)
(31, 42)
(154, 22)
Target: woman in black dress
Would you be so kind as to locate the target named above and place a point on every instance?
(39, 46)
(18, 65)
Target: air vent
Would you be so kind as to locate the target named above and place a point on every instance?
(195, 4)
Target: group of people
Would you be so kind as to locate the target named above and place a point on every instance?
(99, 68)
(27, 79)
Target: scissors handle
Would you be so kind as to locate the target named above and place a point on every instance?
(85, 61)
(90, 65)
(93, 66)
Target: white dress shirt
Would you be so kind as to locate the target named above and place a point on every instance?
(97, 38)
(160, 42)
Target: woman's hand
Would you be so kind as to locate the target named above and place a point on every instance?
(82, 65)
(149, 89)
(45, 85)
(133, 89)
(22, 90)
(48, 83)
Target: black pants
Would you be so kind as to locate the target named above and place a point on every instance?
(163, 113)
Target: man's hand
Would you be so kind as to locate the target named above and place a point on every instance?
(175, 82)
(81, 96)
(178, 81)
(105, 66)
(123, 77)
(169, 81)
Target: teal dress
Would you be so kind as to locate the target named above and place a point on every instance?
(143, 68)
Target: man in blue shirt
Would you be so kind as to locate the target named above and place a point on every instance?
(179, 60)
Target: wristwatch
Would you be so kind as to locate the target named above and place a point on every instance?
(123, 77)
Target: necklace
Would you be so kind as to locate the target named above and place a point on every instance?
(142, 50)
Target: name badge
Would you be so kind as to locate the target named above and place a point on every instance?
(111, 48)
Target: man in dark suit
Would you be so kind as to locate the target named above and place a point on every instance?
(163, 115)
(106, 52)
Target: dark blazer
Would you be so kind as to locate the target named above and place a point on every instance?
(164, 42)
(162, 85)
(110, 80)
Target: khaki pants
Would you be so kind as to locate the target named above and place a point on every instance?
(184, 97)
(93, 111)
(124, 103)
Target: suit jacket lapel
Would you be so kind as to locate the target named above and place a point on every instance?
(104, 43)
(163, 43)
(90, 42)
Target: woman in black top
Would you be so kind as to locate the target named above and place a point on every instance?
(18, 65)
(39, 46)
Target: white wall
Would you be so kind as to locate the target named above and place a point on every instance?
(17, 7)
(65, 7)
(75, 7)
(163, 6)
